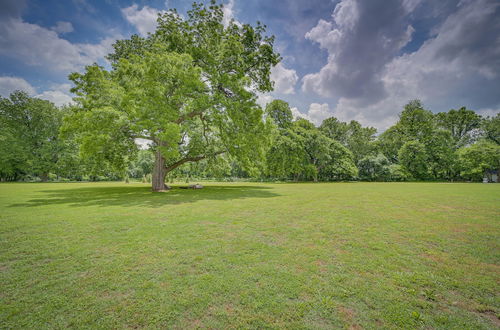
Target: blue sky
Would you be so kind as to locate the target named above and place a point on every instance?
(352, 59)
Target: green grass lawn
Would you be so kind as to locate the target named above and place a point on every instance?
(249, 255)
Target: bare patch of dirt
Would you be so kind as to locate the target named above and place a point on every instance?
(491, 315)
(349, 315)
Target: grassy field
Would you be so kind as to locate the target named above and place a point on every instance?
(248, 255)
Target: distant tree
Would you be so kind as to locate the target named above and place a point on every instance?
(374, 168)
(415, 123)
(303, 152)
(339, 164)
(280, 113)
(463, 125)
(414, 158)
(398, 173)
(69, 163)
(491, 129)
(189, 87)
(29, 130)
(479, 159)
(325, 158)
(13, 155)
(356, 138)
(286, 156)
(434, 138)
(335, 129)
(360, 140)
(389, 142)
(441, 154)
(142, 165)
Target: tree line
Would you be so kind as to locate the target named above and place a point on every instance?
(190, 88)
(454, 145)
(458, 145)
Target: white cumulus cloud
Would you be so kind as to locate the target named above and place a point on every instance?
(10, 84)
(284, 79)
(35, 45)
(316, 113)
(58, 94)
(361, 38)
(369, 81)
(144, 20)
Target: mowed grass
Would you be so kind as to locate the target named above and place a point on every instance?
(250, 255)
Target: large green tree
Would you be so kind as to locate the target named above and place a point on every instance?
(335, 129)
(286, 157)
(416, 123)
(303, 152)
(280, 113)
(356, 138)
(479, 159)
(463, 125)
(418, 132)
(491, 128)
(389, 142)
(189, 87)
(415, 159)
(29, 130)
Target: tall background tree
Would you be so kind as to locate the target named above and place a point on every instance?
(462, 124)
(491, 129)
(29, 135)
(301, 151)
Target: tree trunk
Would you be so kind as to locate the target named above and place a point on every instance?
(159, 173)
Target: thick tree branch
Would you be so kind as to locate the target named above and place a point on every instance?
(188, 116)
(189, 159)
(226, 91)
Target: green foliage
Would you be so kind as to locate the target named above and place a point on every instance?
(358, 139)
(339, 164)
(389, 143)
(416, 123)
(415, 159)
(286, 157)
(29, 132)
(438, 138)
(280, 113)
(442, 155)
(190, 88)
(13, 156)
(303, 152)
(479, 159)
(462, 124)
(142, 165)
(398, 173)
(335, 129)
(491, 128)
(374, 168)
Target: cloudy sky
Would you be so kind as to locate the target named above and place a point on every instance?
(352, 59)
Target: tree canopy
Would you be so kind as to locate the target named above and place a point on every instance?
(189, 87)
(29, 134)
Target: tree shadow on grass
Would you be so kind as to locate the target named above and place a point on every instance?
(142, 196)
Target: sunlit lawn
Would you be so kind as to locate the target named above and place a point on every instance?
(249, 255)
